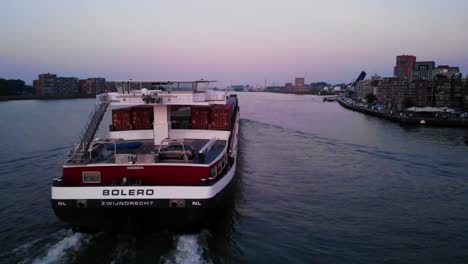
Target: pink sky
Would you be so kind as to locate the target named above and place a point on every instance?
(241, 42)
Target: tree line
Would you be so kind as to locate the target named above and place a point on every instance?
(15, 87)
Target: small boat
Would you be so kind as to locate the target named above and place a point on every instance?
(330, 98)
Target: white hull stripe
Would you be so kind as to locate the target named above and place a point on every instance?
(142, 192)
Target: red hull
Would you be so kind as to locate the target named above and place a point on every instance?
(149, 175)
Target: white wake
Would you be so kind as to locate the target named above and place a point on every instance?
(189, 250)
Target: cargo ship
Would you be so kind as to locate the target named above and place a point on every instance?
(167, 157)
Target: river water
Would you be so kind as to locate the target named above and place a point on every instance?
(315, 183)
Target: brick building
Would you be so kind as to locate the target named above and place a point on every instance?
(424, 92)
(428, 85)
(458, 93)
(391, 90)
(404, 66)
(442, 93)
(394, 93)
(50, 85)
(66, 86)
(449, 93)
(45, 84)
(92, 86)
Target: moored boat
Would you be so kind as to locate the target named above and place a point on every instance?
(330, 98)
(169, 156)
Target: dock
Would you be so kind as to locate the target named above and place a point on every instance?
(404, 119)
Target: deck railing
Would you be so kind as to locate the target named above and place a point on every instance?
(79, 153)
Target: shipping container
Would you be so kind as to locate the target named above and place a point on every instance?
(221, 116)
(200, 117)
(121, 119)
(142, 118)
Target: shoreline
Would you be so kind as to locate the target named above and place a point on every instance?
(35, 97)
(407, 120)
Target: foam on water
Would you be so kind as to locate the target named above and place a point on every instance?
(58, 251)
(189, 250)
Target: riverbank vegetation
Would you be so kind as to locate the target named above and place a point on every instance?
(15, 88)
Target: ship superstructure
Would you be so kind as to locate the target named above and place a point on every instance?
(171, 147)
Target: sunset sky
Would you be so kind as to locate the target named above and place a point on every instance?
(241, 41)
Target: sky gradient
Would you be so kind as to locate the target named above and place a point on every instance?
(243, 42)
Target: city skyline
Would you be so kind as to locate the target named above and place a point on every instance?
(241, 42)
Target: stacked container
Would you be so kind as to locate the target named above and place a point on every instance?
(121, 119)
(142, 118)
(200, 117)
(221, 116)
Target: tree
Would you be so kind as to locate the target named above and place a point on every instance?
(370, 98)
(319, 84)
(12, 87)
(4, 87)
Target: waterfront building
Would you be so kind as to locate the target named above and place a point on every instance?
(363, 88)
(404, 66)
(399, 94)
(424, 90)
(65, 86)
(45, 84)
(450, 93)
(456, 100)
(443, 93)
(288, 86)
(50, 85)
(390, 91)
(406, 95)
(92, 86)
(440, 86)
(84, 88)
(423, 70)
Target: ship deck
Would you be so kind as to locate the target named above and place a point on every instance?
(147, 153)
